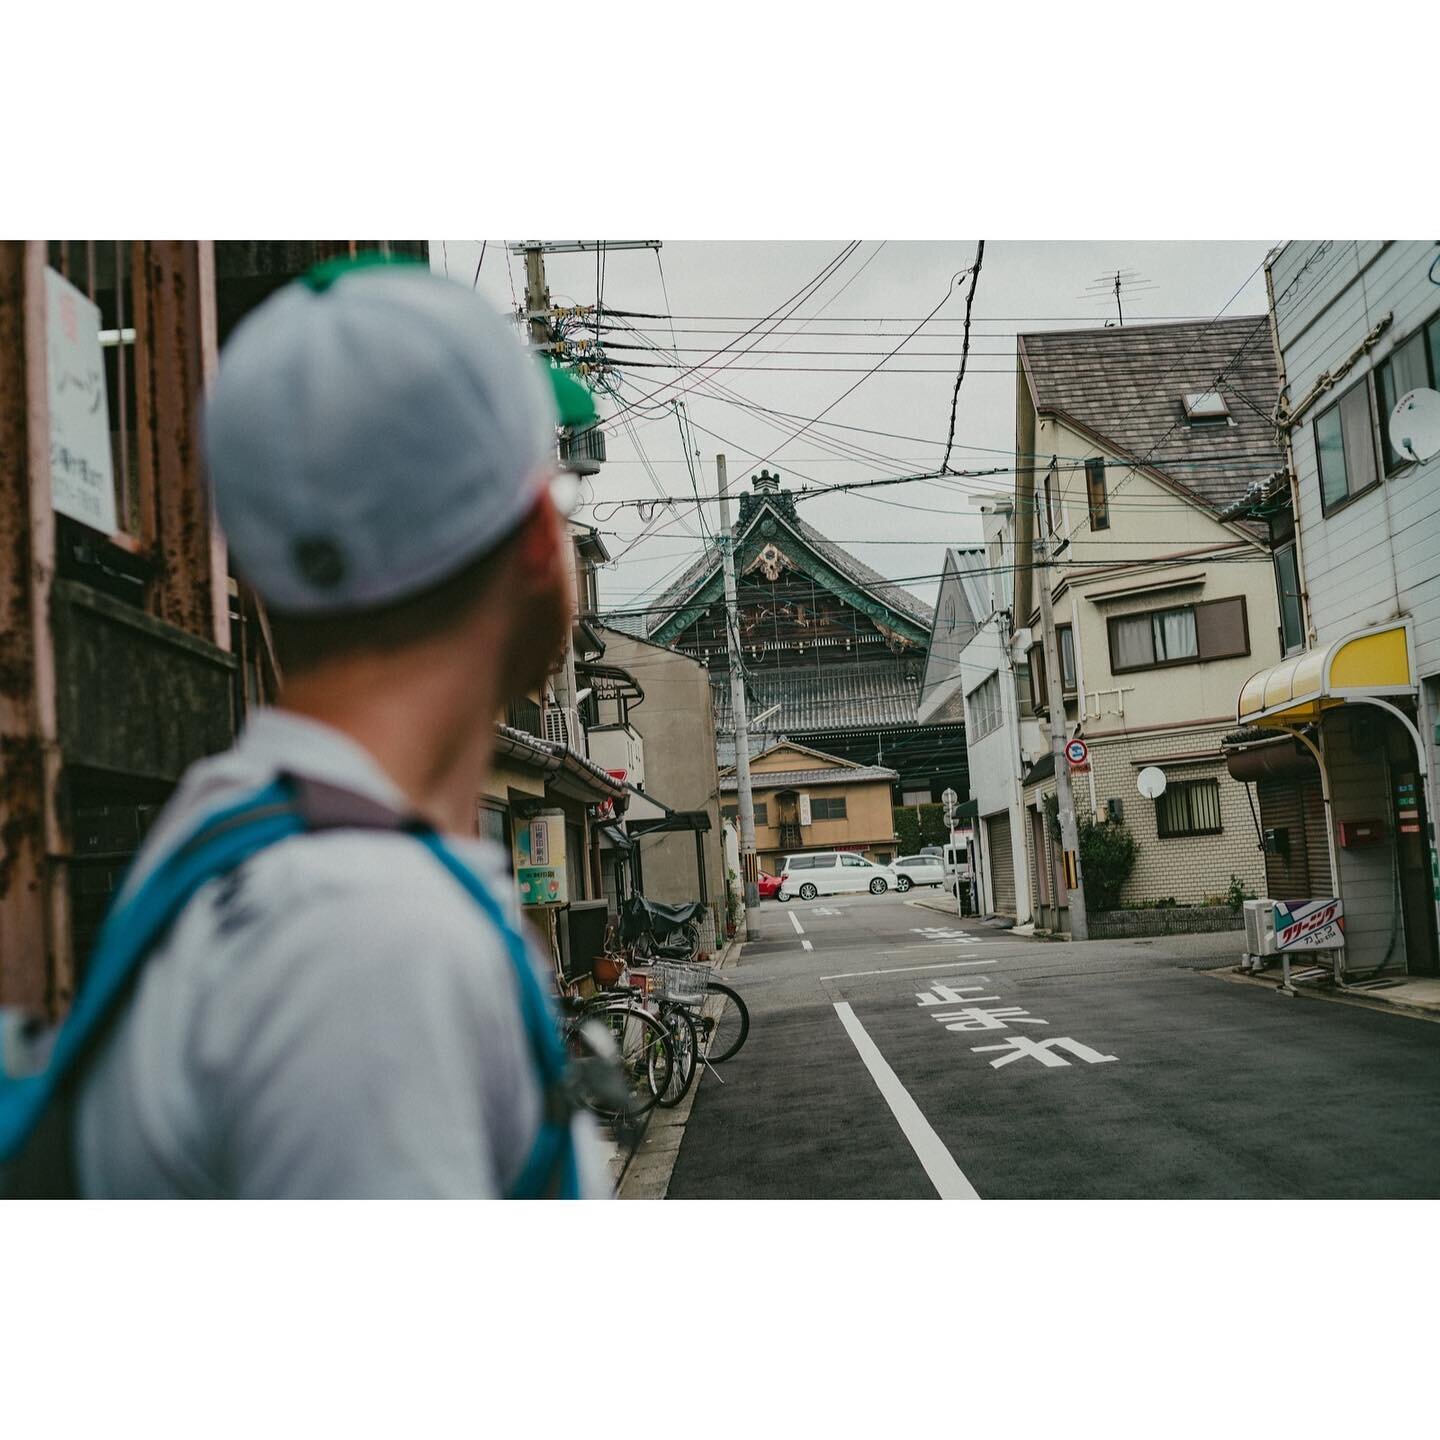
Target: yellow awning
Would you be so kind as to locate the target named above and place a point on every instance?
(1367, 662)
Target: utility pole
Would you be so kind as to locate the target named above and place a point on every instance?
(542, 338)
(749, 865)
(537, 297)
(1055, 702)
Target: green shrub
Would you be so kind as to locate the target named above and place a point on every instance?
(1237, 894)
(1107, 855)
(919, 825)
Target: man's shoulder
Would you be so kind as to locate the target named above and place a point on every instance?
(370, 886)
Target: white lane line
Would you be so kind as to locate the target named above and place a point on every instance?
(945, 1175)
(795, 921)
(904, 969)
(806, 945)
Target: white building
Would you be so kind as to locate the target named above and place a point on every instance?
(971, 660)
(1357, 326)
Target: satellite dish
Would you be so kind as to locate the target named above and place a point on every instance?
(1151, 782)
(1415, 425)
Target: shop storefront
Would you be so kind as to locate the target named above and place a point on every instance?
(1354, 706)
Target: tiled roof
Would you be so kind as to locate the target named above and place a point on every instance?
(1125, 384)
(898, 598)
(782, 779)
(839, 697)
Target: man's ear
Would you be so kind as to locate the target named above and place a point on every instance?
(540, 545)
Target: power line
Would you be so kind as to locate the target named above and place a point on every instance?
(798, 298)
(871, 371)
(964, 351)
(1128, 566)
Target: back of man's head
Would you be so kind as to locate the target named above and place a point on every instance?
(375, 437)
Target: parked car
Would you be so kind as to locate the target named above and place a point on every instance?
(918, 870)
(769, 887)
(831, 872)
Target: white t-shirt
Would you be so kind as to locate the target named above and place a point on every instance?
(334, 1018)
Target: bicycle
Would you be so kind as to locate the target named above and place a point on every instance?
(624, 1056)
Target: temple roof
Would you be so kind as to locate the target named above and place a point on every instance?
(779, 506)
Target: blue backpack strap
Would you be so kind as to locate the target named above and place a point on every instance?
(551, 1168)
(220, 844)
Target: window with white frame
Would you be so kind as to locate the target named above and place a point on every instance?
(984, 706)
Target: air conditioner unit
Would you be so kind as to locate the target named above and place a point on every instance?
(562, 726)
(1259, 928)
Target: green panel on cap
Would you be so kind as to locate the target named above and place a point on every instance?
(573, 400)
(321, 277)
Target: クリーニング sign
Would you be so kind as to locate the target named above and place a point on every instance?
(1309, 924)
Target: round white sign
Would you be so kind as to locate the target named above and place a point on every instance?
(1151, 782)
(1415, 425)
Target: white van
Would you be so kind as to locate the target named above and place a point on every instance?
(832, 872)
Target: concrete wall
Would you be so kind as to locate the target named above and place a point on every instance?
(1187, 920)
(678, 729)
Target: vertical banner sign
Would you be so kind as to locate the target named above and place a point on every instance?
(804, 808)
(540, 860)
(82, 476)
(1309, 925)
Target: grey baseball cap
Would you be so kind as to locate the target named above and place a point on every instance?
(372, 430)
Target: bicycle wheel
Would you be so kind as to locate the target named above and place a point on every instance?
(686, 1045)
(647, 1057)
(731, 1022)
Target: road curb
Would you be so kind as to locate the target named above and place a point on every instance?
(1362, 1001)
(647, 1173)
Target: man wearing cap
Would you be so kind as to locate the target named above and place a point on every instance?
(336, 1016)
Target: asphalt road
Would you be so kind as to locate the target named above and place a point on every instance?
(1123, 1069)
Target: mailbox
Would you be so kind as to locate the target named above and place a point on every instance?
(1354, 833)
(1277, 841)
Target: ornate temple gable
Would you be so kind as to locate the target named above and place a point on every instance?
(792, 597)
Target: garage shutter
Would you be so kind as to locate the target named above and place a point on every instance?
(1002, 864)
(1316, 841)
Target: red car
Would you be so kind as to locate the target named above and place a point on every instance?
(769, 886)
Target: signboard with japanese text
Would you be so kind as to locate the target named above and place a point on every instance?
(540, 860)
(82, 476)
(1309, 924)
(805, 812)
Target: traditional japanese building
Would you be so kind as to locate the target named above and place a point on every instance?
(834, 653)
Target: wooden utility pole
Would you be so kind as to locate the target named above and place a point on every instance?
(1055, 703)
(749, 864)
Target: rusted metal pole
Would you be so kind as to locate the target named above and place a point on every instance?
(35, 966)
(189, 590)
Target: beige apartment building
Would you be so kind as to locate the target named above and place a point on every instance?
(808, 800)
(1131, 443)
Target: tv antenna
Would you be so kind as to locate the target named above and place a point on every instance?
(1130, 282)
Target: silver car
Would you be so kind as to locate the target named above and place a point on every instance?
(912, 870)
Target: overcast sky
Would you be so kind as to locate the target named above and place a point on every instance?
(864, 309)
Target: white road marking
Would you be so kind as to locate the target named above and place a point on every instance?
(905, 969)
(945, 1175)
(822, 910)
(806, 945)
(795, 921)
